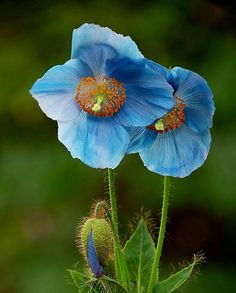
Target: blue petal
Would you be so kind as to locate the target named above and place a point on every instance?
(98, 142)
(96, 57)
(93, 260)
(143, 107)
(195, 92)
(88, 34)
(157, 68)
(137, 73)
(175, 153)
(148, 95)
(137, 138)
(56, 89)
(81, 67)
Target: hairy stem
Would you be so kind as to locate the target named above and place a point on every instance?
(112, 194)
(161, 236)
(121, 268)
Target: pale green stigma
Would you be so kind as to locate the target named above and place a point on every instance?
(159, 125)
(97, 106)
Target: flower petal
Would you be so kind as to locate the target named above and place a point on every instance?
(88, 34)
(157, 68)
(196, 94)
(175, 153)
(98, 142)
(96, 57)
(138, 73)
(137, 138)
(148, 94)
(56, 89)
(93, 260)
(141, 107)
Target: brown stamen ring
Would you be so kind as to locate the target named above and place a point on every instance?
(100, 97)
(173, 119)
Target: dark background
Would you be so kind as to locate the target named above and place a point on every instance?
(44, 192)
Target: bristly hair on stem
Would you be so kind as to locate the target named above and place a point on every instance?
(120, 264)
(106, 182)
(113, 200)
(161, 236)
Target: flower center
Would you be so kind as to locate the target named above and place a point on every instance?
(100, 96)
(172, 119)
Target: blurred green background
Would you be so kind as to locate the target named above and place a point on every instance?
(44, 192)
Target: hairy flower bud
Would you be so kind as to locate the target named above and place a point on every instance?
(95, 238)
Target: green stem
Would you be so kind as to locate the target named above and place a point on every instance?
(161, 236)
(112, 193)
(121, 268)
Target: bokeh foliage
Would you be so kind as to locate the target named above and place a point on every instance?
(44, 192)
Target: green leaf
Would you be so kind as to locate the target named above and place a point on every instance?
(176, 280)
(139, 253)
(115, 285)
(82, 282)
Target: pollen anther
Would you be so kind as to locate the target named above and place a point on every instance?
(100, 96)
(97, 106)
(172, 120)
(159, 125)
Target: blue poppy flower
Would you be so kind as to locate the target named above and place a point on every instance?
(105, 87)
(179, 142)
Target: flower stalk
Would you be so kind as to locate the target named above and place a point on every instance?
(161, 236)
(120, 265)
(112, 194)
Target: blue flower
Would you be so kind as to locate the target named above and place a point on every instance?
(105, 87)
(179, 142)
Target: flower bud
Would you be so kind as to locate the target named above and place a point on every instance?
(96, 242)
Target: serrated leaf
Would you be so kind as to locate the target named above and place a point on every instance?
(139, 253)
(82, 283)
(176, 280)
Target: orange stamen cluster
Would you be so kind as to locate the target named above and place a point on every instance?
(172, 119)
(100, 96)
